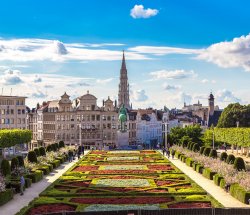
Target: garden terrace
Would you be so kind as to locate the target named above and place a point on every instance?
(121, 180)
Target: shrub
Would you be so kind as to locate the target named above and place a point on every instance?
(53, 147)
(14, 163)
(208, 173)
(230, 159)
(5, 167)
(206, 151)
(202, 149)
(195, 147)
(32, 157)
(213, 153)
(189, 162)
(239, 193)
(239, 164)
(223, 156)
(185, 140)
(42, 151)
(35, 176)
(61, 144)
(56, 146)
(37, 152)
(49, 148)
(5, 196)
(217, 178)
(20, 160)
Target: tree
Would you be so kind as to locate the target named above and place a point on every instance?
(233, 113)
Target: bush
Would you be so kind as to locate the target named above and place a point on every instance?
(35, 176)
(199, 168)
(36, 150)
(5, 196)
(189, 162)
(61, 144)
(202, 149)
(49, 148)
(223, 156)
(217, 178)
(45, 169)
(213, 153)
(208, 173)
(42, 151)
(195, 147)
(32, 157)
(185, 140)
(28, 182)
(53, 147)
(230, 159)
(56, 146)
(14, 163)
(5, 167)
(239, 193)
(20, 160)
(239, 164)
(206, 151)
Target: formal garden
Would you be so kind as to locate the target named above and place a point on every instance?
(33, 168)
(121, 180)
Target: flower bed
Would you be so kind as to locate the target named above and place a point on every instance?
(107, 180)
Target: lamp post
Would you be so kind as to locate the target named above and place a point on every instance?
(80, 137)
(237, 124)
(213, 138)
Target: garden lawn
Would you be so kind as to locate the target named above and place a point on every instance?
(121, 180)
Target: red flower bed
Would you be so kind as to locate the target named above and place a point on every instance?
(88, 191)
(190, 205)
(123, 200)
(103, 172)
(80, 183)
(50, 208)
(156, 191)
(166, 182)
(160, 167)
(85, 168)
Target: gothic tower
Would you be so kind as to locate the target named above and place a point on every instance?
(211, 104)
(123, 94)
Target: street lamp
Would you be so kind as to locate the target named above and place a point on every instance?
(80, 137)
(213, 138)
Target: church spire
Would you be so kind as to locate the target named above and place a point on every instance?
(123, 94)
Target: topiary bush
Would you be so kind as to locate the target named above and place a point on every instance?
(223, 156)
(20, 160)
(42, 151)
(14, 164)
(195, 147)
(32, 157)
(56, 146)
(5, 167)
(230, 159)
(213, 153)
(61, 144)
(36, 150)
(206, 151)
(53, 147)
(185, 140)
(202, 149)
(239, 164)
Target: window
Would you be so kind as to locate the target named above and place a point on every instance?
(72, 126)
(113, 118)
(3, 121)
(103, 117)
(88, 118)
(17, 102)
(78, 118)
(72, 136)
(109, 125)
(23, 111)
(23, 120)
(92, 107)
(93, 117)
(19, 111)
(12, 111)
(18, 121)
(3, 111)
(113, 125)
(98, 117)
(58, 118)
(109, 118)
(11, 121)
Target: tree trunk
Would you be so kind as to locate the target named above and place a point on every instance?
(232, 148)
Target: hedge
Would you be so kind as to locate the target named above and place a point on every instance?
(239, 164)
(55, 163)
(28, 182)
(202, 149)
(42, 151)
(222, 183)
(206, 151)
(36, 150)
(45, 169)
(217, 178)
(239, 193)
(189, 161)
(208, 173)
(32, 157)
(223, 156)
(5, 167)
(35, 176)
(14, 163)
(20, 160)
(213, 153)
(230, 159)
(5, 196)
(199, 168)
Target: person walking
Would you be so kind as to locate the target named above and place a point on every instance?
(172, 153)
(163, 150)
(168, 152)
(79, 154)
(22, 184)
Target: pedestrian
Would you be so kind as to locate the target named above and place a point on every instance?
(22, 184)
(163, 150)
(172, 153)
(168, 152)
(225, 146)
(79, 154)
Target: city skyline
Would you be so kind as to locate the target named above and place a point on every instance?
(174, 52)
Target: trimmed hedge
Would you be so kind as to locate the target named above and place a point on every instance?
(222, 183)
(189, 162)
(230, 159)
(61, 144)
(42, 151)
(32, 157)
(36, 150)
(20, 160)
(202, 149)
(28, 182)
(35, 176)
(5, 196)
(208, 173)
(5, 167)
(199, 168)
(55, 163)
(14, 163)
(239, 193)
(213, 153)
(45, 169)
(195, 147)
(206, 151)
(239, 164)
(223, 156)
(217, 178)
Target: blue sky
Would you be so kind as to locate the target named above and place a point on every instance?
(175, 50)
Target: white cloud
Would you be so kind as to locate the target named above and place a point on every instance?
(138, 11)
(235, 53)
(172, 74)
(163, 50)
(171, 87)
(139, 95)
(226, 96)
(37, 79)
(204, 81)
(26, 50)
(38, 94)
(11, 77)
(104, 81)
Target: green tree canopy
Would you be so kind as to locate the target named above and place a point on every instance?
(233, 113)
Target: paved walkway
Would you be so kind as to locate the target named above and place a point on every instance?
(18, 202)
(218, 193)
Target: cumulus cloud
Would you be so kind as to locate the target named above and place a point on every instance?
(171, 87)
(139, 95)
(81, 84)
(104, 81)
(138, 11)
(229, 54)
(37, 79)
(11, 77)
(226, 96)
(38, 94)
(172, 74)
(25, 50)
